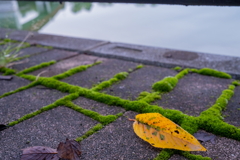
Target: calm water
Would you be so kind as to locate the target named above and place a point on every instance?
(201, 28)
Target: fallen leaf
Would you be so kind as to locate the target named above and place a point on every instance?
(2, 127)
(39, 153)
(69, 150)
(204, 137)
(163, 133)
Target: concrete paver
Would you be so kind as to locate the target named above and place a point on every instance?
(102, 72)
(44, 57)
(117, 141)
(222, 149)
(101, 108)
(13, 84)
(139, 81)
(46, 129)
(67, 64)
(17, 105)
(194, 93)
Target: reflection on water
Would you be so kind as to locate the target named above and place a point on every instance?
(204, 29)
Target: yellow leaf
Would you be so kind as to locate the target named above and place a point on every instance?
(163, 133)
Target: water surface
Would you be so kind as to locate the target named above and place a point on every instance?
(208, 29)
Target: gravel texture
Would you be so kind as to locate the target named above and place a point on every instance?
(13, 84)
(46, 129)
(118, 141)
(17, 105)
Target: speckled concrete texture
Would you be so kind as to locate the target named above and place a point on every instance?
(194, 93)
(13, 84)
(67, 64)
(46, 129)
(222, 149)
(102, 72)
(17, 105)
(177, 157)
(138, 81)
(101, 108)
(44, 57)
(31, 51)
(118, 141)
(232, 113)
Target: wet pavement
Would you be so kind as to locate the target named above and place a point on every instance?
(42, 116)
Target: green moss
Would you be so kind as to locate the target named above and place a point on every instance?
(118, 77)
(47, 47)
(149, 97)
(74, 70)
(19, 89)
(190, 156)
(177, 68)
(139, 66)
(213, 72)
(90, 132)
(165, 85)
(94, 115)
(190, 124)
(182, 73)
(30, 115)
(7, 71)
(165, 154)
(36, 67)
(236, 83)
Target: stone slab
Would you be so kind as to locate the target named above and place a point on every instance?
(13, 84)
(118, 141)
(102, 72)
(67, 64)
(63, 42)
(46, 129)
(224, 148)
(101, 108)
(139, 81)
(232, 113)
(17, 105)
(31, 51)
(177, 157)
(170, 57)
(194, 93)
(54, 54)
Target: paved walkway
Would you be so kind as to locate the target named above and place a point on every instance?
(88, 89)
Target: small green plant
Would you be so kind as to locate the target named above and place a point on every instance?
(11, 51)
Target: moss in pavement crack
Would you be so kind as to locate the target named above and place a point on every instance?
(72, 71)
(91, 131)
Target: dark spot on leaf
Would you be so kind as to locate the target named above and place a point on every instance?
(176, 131)
(154, 133)
(162, 137)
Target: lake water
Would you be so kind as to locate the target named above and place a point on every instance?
(207, 29)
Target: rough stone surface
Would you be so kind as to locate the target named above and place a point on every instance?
(46, 129)
(223, 149)
(139, 81)
(44, 57)
(194, 93)
(118, 141)
(13, 84)
(177, 157)
(160, 56)
(31, 51)
(102, 72)
(232, 113)
(101, 108)
(67, 64)
(17, 105)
